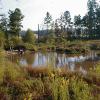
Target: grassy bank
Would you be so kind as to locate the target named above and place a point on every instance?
(69, 47)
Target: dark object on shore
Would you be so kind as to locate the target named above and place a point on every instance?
(59, 49)
(68, 51)
(20, 48)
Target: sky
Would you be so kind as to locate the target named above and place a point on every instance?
(35, 10)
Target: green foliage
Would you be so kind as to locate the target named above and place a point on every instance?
(70, 89)
(13, 41)
(97, 70)
(12, 71)
(48, 21)
(79, 90)
(59, 88)
(2, 38)
(61, 41)
(15, 18)
(3, 24)
(90, 20)
(51, 39)
(77, 20)
(67, 19)
(29, 37)
(16, 40)
(78, 24)
(30, 46)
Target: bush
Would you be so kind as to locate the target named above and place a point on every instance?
(29, 37)
(30, 46)
(14, 41)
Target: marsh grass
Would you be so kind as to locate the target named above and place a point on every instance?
(46, 83)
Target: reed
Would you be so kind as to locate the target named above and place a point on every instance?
(46, 83)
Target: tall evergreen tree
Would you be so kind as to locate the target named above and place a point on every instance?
(78, 24)
(57, 30)
(48, 20)
(4, 25)
(98, 21)
(65, 23)
(15, 19)
(91, 17)
(67, 19)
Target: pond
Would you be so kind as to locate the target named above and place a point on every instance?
(72, 62)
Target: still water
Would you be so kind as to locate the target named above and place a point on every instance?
(71, 62)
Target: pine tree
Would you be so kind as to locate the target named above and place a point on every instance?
(15, 19)
(48, 20)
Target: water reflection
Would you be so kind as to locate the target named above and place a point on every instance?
(72, 62)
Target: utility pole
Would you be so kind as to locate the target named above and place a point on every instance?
(38, 33)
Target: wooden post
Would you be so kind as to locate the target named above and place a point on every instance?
(38, 33)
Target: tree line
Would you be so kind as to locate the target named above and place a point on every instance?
(87, 26)
(57, 31)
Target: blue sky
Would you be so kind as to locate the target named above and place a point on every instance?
(35, 10)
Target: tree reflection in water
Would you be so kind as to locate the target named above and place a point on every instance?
(53, 59)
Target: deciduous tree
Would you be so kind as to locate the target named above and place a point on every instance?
(29, 37)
